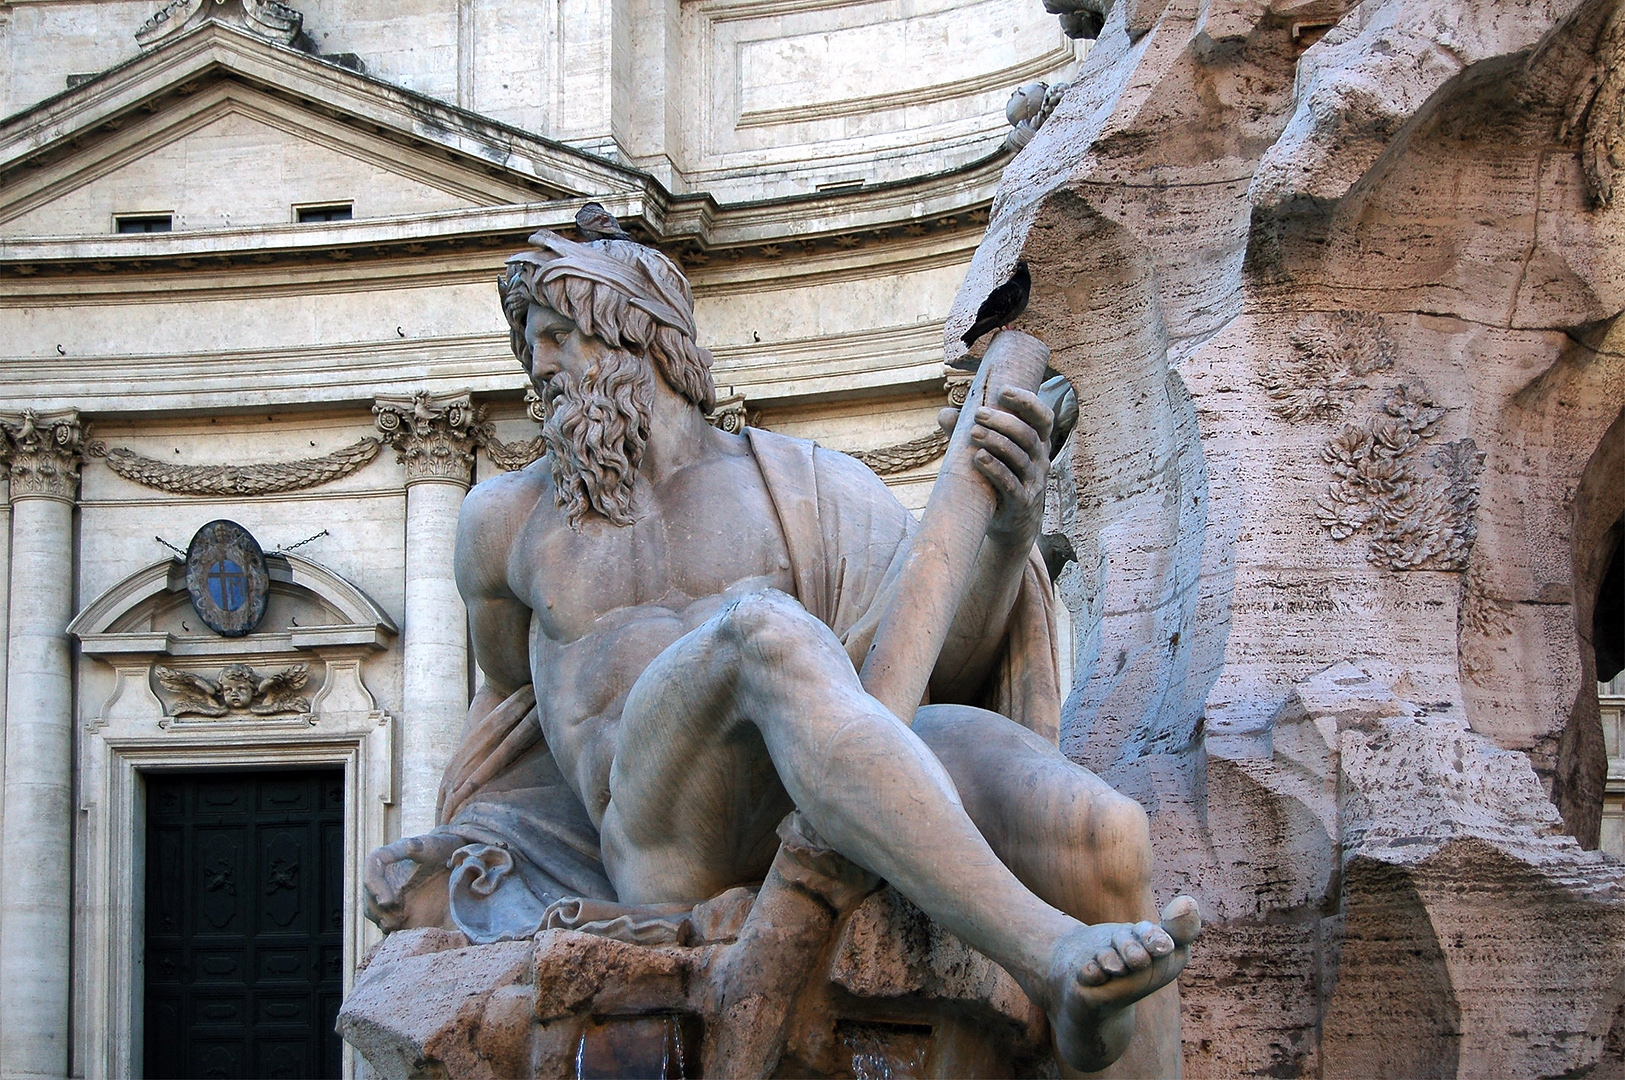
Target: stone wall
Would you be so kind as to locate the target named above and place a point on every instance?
(737, 98)
(1337, 285)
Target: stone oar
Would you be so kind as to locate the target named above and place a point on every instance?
(937, 569)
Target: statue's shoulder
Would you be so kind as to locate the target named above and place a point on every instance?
(509, 489)
(507, 498)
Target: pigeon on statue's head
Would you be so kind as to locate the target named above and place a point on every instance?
(596, 223)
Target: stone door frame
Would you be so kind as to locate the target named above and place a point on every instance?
(131, 734)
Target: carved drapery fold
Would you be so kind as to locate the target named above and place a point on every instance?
(434, 435)
(1596, 111)
(262, 478)
(42, 452)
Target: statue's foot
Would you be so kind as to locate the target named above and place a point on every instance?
(1100, 971)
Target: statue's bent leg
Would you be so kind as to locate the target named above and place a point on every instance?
(763, 676)
(1069, 837)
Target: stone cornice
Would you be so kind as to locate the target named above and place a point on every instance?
(435, 435)
(41, 146)
(884, 360)
(31, 138)
(696, 231)
(42, 453)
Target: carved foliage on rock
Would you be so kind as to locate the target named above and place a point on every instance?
(42, 452)
(1483, 619)
(263, 478)
(1419, 510)
(1333, 355)
(434, 434)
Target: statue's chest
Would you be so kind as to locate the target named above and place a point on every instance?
(672, 557)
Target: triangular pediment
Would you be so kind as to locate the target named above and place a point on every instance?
(248, 129)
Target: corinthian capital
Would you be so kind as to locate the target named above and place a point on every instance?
(42, 452)
(434, 434)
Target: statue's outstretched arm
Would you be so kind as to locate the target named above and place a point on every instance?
(1013, 455)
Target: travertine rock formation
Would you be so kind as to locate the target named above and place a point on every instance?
(1337, 287)
(817, 974)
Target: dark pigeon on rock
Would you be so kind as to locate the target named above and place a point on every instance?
(1002, 306)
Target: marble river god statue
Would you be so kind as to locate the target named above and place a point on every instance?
(671, 621)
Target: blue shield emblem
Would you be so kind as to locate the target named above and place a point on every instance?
(226, 578)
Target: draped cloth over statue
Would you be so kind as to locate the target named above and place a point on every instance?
(528, 840)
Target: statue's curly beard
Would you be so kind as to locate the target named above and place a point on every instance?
(596, 430)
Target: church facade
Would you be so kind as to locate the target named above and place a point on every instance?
(247, 265)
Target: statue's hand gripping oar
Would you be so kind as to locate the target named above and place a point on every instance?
(936, 571)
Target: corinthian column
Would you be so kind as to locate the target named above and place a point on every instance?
(435, 436)
(41, 450)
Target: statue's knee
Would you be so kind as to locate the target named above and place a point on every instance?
(1120, 834)
(773, 627)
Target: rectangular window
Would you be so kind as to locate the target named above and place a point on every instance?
(142, 223)
(330, 212)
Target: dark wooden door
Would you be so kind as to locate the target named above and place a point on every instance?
(245, 924)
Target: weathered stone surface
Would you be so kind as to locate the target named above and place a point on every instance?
(886, 989)
(442, 1023)
(1337, 288)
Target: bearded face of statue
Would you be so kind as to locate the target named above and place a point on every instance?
(598, 407)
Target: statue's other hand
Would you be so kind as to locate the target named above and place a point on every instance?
(395, 870)
(1012, 451)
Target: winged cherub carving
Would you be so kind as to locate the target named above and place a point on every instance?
(238, 687)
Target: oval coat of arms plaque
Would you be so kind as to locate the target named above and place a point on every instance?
(226, 578)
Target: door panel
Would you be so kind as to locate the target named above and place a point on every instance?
(245, 916)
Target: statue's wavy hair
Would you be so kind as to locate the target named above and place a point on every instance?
(603, 312)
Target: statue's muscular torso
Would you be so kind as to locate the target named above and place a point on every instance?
(603, 601)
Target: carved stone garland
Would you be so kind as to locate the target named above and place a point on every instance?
(435, 436)
(903, 456)
(263, 478)
(43, 452)
(1417, 518)
(516, 455)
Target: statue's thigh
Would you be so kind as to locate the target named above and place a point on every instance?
(702, 821)
(1036, 808)
(694, 798)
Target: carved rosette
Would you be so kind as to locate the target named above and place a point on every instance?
(434, 435)
(42, 452)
